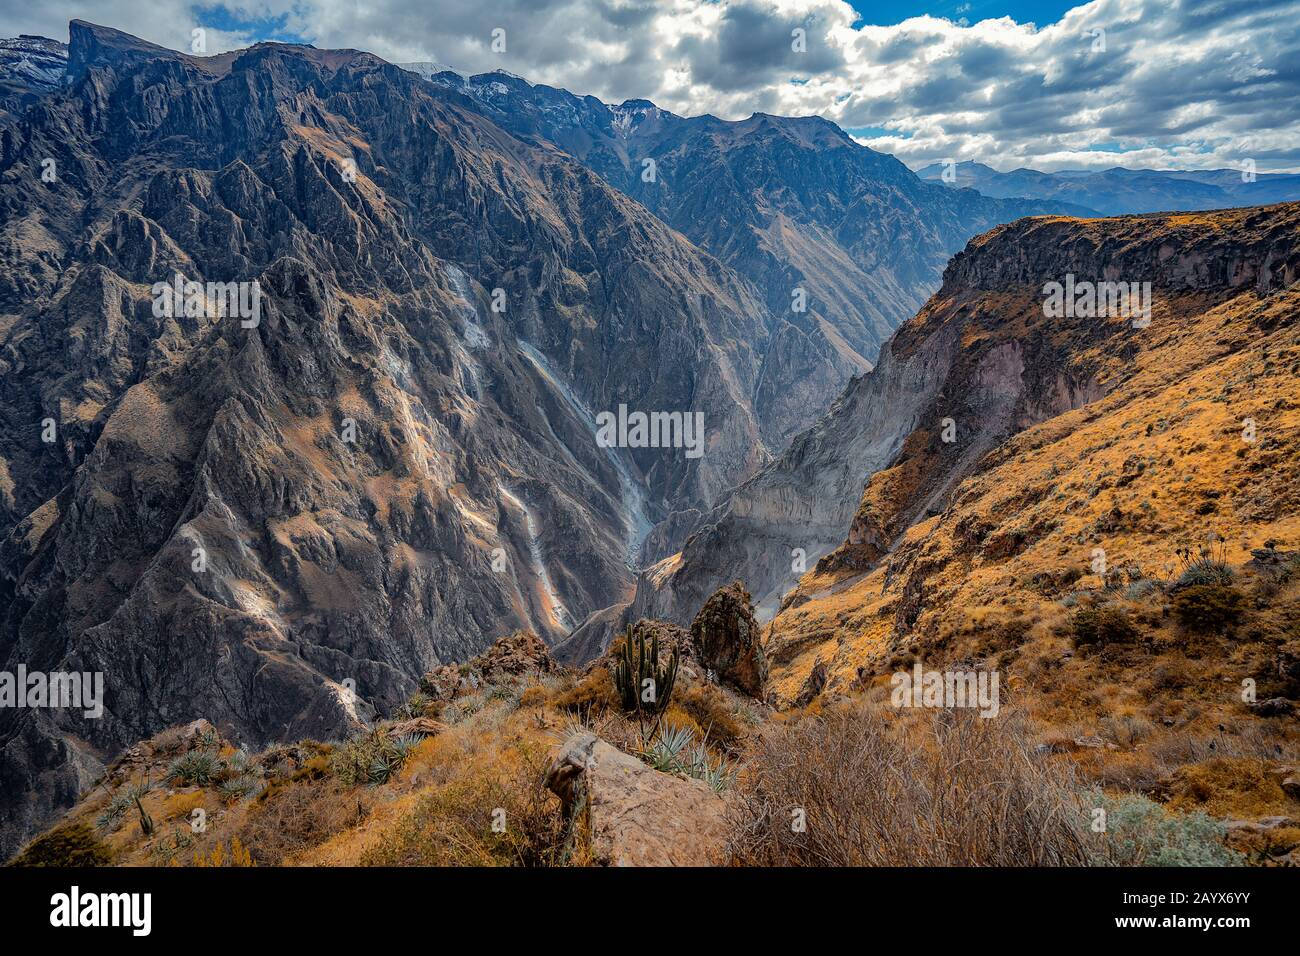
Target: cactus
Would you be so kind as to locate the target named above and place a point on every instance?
(146, 821)
(637, 662)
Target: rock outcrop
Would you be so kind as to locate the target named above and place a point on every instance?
(728, 640)
(633, 815)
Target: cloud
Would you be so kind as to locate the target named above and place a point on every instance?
(1151, 83)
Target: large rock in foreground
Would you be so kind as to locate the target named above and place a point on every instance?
(636, 815)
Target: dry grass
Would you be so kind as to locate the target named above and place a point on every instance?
(945, 789)
(496, 815)
(298, 817)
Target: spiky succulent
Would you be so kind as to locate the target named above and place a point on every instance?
(196, 768)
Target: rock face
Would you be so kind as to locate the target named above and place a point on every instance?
(729, 642)
(232, 515)
(840, 242)
(635, 815)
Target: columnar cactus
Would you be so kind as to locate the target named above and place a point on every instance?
(644, 686)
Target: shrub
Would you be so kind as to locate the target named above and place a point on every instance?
(417, 705)
(1102, 626)
(237, 856)
(591, 697)
(73, 844)
(198, 768)
(1207, 565)
(496, 815)
(947, 788)
(181, 805)
(533, 696)
(292, 818)
(1140, 833)
(1209, 608)
(371, 758)
(707, 706)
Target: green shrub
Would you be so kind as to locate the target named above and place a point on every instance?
(73, 844)
(1140, 833)
(198, 768)
(1207, 565)
(1102, 625)
(1204, 571)
(371, 758)
(1209, 608)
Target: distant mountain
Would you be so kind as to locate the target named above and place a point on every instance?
(789, 203)
(394, 464)
(30, 67)
(1119, 191)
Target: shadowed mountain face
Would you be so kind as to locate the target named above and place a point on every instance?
(388, 462)
(1118, 191)
(789, 203)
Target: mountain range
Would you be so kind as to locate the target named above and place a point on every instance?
(393, 465)
(359, 448)
(1118, 191)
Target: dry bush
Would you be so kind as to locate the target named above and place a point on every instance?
(182, 805)
(709, 709)
(946, 789)
(453, 825)
(590, 698)
(298, 816)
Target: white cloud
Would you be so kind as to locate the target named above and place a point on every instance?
(1163, 82)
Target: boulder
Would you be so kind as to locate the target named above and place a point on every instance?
(416, 727)
(442, 683)
(1273, 707)
(635, 815)
(728, 640)
(510, 658)
(515, 655)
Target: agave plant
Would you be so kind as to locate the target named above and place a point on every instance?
(666, 753)
(196, 768)
(1206, 565)
(116, 809)
(241, 787)
(717, 774)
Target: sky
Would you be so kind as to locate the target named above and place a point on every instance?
(1046, 84)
